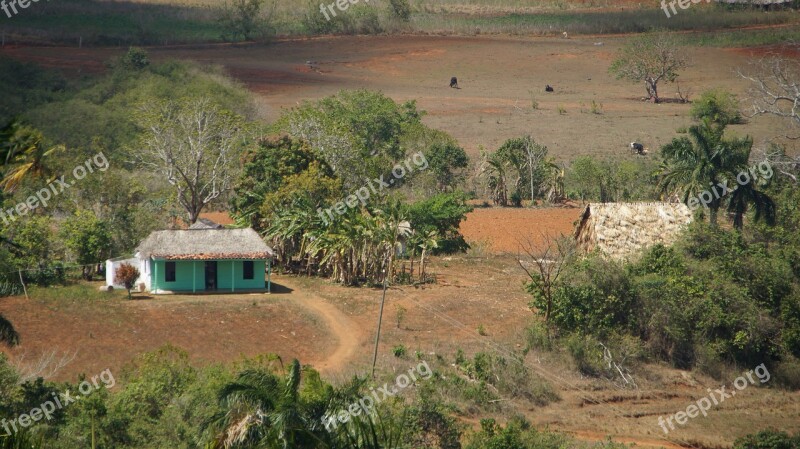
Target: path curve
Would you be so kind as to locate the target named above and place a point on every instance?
(343, 329)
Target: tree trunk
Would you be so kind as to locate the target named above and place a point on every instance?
(422, 266)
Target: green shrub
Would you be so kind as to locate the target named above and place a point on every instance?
(768, 439)
(399, 351)
(400, 9)
(537, 336)
(787, 373)
(717, 105)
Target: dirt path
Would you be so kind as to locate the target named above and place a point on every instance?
(344, 330)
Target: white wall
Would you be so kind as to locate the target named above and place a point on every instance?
(142, 265)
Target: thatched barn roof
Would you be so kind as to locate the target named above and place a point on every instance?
(620, 230)
(205, 244)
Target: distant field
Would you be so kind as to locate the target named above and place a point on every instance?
(165, 22)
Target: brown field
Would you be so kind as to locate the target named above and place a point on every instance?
(499, 77)
(333, 327)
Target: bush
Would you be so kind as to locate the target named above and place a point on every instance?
(717, 105)
(787, 373)
(768, 439)
(399, 351)
(400, 9)
(135, 59)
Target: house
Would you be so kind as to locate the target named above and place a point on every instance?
(620, 230)
(203, 258)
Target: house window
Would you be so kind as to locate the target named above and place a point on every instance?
(169, 272)
(247, 268)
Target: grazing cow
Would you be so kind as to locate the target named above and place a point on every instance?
(454, 83)
(548, 88)
(638, 148)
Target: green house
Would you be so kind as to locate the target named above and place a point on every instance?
(205, 259)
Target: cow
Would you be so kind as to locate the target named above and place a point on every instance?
(454, 83)
(548, 88)
(638, 148)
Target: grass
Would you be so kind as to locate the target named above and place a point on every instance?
(600, 22)
(158, 22)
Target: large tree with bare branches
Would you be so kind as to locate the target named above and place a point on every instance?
(775, 91)
(195, 145)
(651, 58)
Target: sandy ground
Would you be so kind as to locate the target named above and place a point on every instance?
(508, 230)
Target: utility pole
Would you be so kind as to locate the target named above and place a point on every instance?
(380, 315)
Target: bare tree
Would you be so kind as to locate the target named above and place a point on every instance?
(536, 154)
(776, 158)
(46, 365)
(775, 89)
(195, 145)
(545, 263)
(652, 58)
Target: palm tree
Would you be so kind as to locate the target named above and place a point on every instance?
(747, 193)
(494, 168)
(691, 166)
(8, 334)
(23, 148)
(264, 412)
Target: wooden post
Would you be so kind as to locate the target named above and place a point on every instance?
(23, 285)
(380, 319)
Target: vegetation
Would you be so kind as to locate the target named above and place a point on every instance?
(711, 162)
(202, 21)
(521, 167)
(8, 334)
(127, 275)
(719, 106)
(651, 58)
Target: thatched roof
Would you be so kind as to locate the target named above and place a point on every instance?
(205, 244)
(620, 230)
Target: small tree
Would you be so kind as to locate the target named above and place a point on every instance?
(544, 265)
(88, 238)
(717, 105)
(652, 58)
(400, 9)
(246, 19)
(126, 275)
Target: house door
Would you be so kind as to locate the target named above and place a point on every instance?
(211, 275)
